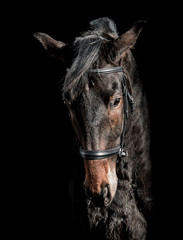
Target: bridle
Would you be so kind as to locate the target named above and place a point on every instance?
(119, 150)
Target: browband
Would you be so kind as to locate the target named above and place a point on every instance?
(106, 70)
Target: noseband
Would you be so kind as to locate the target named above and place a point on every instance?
(119, 150)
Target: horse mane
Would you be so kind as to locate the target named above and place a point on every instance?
(87, 48)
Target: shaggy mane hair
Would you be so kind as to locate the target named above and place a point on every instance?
(87, 49)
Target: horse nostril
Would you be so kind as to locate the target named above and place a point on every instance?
(102, 198)
(106, 194)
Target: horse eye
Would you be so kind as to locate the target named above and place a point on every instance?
(116, 102)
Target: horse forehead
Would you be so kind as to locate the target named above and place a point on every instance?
(96, 96)
(104, 86)
(97, 90)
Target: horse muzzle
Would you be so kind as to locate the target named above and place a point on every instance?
(100, 180)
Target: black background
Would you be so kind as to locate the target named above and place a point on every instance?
(41, 133)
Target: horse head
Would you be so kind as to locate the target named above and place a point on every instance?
(93, 91)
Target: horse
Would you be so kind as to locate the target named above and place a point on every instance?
(111, 188)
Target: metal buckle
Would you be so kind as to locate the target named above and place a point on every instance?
(123, 153)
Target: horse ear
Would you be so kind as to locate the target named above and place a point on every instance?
(52, 46)
(128, 39)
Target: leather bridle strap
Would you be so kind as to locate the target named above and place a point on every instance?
(106, 70)
(119, 150)
(99, 154)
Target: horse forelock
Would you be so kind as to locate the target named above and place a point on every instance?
(87, 49)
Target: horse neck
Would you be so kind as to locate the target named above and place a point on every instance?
(138, 134)
(139, 129)
(137, 140)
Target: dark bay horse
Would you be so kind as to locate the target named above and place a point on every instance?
(111, 186)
